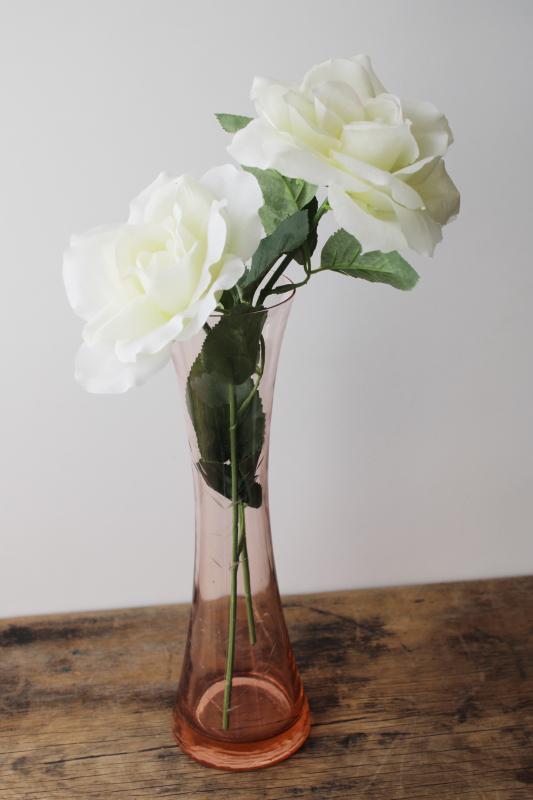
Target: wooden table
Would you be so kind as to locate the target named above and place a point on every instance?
(418, 692)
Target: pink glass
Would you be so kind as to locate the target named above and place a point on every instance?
(269, 715)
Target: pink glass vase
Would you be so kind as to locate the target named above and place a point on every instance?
(240, 702)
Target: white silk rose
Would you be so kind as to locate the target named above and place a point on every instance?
(379, 156)
(142, 285)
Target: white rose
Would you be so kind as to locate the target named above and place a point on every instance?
(379, 156)
(142, 285)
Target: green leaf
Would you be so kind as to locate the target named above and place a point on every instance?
(342, 253)
(388, 268)
(231, 349)
(211, 425)
(340, 249)
(207, 402)
(250, 440)
(233, 122)
(283, 196)
(207, 396)
(205, 386)
(218, 476)
(229, 299)
(288, 236)
(299, 255)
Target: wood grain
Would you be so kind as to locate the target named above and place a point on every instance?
(417, 692)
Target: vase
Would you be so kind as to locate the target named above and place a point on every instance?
(240, 702)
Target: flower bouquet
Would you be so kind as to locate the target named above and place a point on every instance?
(198, 275)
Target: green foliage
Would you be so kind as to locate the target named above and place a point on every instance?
(226, 363)
(301, 256)
(283, 196)
(286, 238)
(388, 268)
(341, 248)
(342, 253)
(288, 217)
(231, 349)
(233, 122)
(218, 477)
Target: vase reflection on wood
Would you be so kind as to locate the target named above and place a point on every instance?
(240, 702)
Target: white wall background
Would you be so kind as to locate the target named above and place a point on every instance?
(402, 438)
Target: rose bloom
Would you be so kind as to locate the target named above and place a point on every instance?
(142, 285)
(379, 156)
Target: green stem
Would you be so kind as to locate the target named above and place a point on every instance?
(259, 372)
(307, 258)
(323, 209)
(243, 551)
(265, 291)
(230, 658)
(268, 288)
(293, 286)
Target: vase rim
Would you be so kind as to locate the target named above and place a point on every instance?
(253, 310)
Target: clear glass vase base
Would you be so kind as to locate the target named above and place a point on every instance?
(258, 707)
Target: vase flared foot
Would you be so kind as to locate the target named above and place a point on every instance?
(253, 740)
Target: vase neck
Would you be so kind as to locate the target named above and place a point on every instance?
(268, 328)
(228, 426)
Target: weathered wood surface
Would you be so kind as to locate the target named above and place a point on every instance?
(419, 692)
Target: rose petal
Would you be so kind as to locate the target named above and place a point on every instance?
(193, 202)
(153, 341)
(421, 232)
(365, 62)
(89, 272)
(98, 369)
(147, 206)
(384, 108)
(357, 176)
(127, 321)
(387, 147)
(327, 119)
(243, 201)
(304, 129)
(217, 231)
(374, 232)
(438, 191)
(169, 284)
(188, 322)
(259, 145)
(358, 75)
(269, 99)
(429, 127)
(341, 100)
